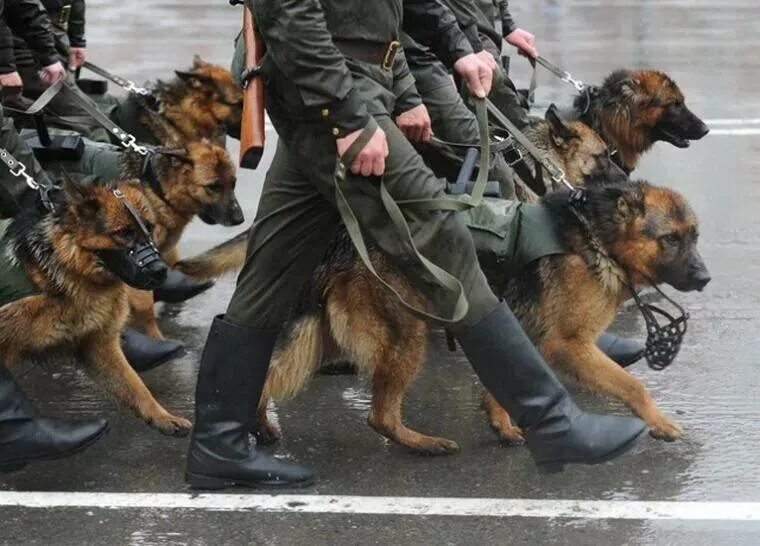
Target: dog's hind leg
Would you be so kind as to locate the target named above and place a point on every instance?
(598, 372)
(500, 421)
(295, 358)
(142, 313)
(107, 364)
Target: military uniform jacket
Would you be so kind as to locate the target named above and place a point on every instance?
(28, 19)
(309, 79)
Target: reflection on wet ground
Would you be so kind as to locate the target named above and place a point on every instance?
(711, 388)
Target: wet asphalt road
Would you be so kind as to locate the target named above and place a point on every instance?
(712, 387)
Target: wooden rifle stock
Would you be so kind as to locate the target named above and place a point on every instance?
(252, 124)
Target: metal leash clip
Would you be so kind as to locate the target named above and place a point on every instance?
(20, 172)
(578, 84)
(129, 141)
(134, 88)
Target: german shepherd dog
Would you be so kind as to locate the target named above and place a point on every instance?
(196, 178)
(633, 109)
(202, 102)
(564, 302)
(81, 306)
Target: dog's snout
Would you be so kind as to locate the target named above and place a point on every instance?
(703, 130)
(236, 216)
(700, 277)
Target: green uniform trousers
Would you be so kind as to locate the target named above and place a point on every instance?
(452, 121)
(297, 218)
(60, 108)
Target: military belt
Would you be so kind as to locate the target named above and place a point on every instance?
(61, 17)
(369, 52)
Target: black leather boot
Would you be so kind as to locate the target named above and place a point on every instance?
(145, 353)
(230, 380)
(556, 431)
(25, 438)
(625, 351)
(178, 287)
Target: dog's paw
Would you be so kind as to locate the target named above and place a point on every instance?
(267, 434)
(664, 428)
(509, 435)
(171, 425)
(512, 437)
(436, 446)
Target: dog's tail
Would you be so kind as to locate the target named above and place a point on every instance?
(297, 356)
(227, 257)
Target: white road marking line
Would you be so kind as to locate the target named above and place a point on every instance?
(404, 506)
(733, 121)
(734, 132)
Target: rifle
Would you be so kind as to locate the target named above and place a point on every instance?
(252, 123)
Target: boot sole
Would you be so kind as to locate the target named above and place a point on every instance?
(198, 481)
(18, 464)
(555, 467)
(633, 360)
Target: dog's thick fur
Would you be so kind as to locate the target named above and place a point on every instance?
(564, 302)
(81, 307)
(633, 109)
(200, 103)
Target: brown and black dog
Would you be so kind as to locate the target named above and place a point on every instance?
(202, 102)
(633, 109)
(564, 302)
(80, 306)
(194, 178)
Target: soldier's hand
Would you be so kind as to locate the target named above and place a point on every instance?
(77, 57)
(12, 79)
(371, 159)
(476, 73)
(415, 124)
(52, 73)
(487, 58)
(524, 41)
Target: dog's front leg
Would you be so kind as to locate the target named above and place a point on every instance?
(598, 372)
(142, 313)
(110, 368)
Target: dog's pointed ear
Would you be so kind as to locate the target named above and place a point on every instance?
(78, 194)
(630, 88)
(559, 130)
(628, 199)
(184, 75)
(198, 61)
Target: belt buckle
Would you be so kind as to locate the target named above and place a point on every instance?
(63, 16)
(390, 55)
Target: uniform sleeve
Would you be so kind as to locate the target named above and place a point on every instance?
(7, 57)
(507, 22)
(299, 43)
(29, 20)
(434, 25)
(76, 24)
(466, 14)
(404, 87)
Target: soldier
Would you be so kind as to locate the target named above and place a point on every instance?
(23, 436)
(67, 26)
(332, 83)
